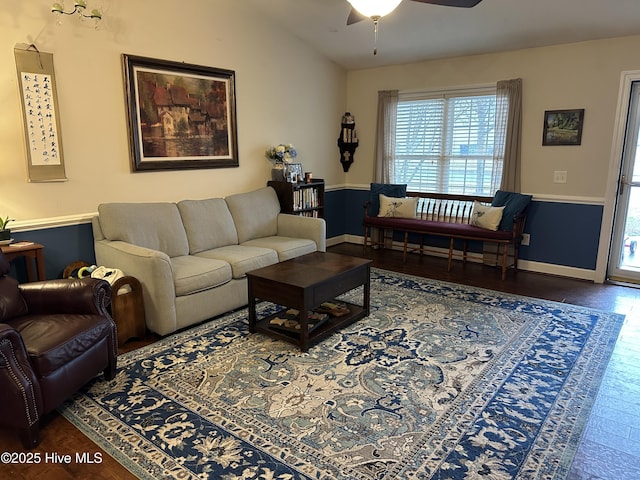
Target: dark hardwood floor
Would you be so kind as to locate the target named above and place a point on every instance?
(610, 448)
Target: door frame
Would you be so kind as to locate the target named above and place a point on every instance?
(615, 164)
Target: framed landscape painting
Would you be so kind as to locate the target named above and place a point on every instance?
(181, 116)
(562, 127)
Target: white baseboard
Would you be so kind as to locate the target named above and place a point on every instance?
(344, 239)
(559, 270)
(525, 265)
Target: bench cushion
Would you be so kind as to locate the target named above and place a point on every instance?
(484, 216)
(458, 230)
(514, 204)
(388, 189)
(398, 207)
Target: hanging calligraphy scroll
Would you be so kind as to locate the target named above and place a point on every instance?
(39, 101)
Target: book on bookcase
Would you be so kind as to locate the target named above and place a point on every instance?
(300, 198)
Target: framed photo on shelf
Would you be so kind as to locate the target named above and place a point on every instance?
(181, 116)
(563, 127)
(293, 172)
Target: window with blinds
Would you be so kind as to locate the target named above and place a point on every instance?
(444, 143)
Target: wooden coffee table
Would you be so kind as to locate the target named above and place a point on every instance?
(304, 284)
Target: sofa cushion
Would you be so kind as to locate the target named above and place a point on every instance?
(208, 224)
(193, 274)
(242, 258)
(286, 247)
(157, 226)
(255, 214)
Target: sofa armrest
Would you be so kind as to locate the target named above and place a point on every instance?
(21, 395)
(296, 226)
(70, 296)
(133, 260)
(154, 271)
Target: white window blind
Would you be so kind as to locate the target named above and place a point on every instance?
(444, 142)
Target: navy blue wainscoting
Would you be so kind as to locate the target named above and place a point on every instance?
(334, 202)
(344, 212)
(563, 234)
(62, 246)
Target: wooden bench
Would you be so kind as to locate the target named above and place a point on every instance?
(446, 215)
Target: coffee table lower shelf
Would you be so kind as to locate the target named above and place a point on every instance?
(322, 331)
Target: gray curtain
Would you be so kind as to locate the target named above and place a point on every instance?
(385, 136)
(508, 132)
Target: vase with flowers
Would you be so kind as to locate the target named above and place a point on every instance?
(279, 156)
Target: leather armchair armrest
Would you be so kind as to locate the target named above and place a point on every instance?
(68, 296)
(21, 396)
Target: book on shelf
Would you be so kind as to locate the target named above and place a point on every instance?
(309, 213)
(349, 135)
(305, 198)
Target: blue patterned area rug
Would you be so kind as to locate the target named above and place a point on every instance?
(441, 381)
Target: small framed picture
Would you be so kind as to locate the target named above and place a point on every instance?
(562, 127)
(293, 172)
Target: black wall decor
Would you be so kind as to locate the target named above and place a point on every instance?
(348, 141)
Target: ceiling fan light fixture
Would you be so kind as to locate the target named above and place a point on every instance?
(375, 8)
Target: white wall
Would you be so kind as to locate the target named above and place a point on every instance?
(582, 75)
(286, 93)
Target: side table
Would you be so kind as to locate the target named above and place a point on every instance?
(127, 309)
(32, 253)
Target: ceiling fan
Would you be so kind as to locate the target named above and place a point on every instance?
(363, 9)
(376, 9)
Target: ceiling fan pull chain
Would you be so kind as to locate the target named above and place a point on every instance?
(375, 36)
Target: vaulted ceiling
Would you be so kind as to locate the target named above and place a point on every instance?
(417, 31)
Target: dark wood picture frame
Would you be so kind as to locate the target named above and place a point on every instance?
(181, 116)
(563, 127)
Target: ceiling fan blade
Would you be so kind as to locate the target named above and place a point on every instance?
(452, 3)
(355, 17)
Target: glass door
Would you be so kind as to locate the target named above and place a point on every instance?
(624, 260)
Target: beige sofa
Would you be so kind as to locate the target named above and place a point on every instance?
(191, 257)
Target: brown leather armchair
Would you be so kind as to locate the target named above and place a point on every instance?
(55, 336)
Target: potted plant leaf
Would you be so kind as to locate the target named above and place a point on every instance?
(5, 233)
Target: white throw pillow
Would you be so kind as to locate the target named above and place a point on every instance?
(398, 207)
(485, 216)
